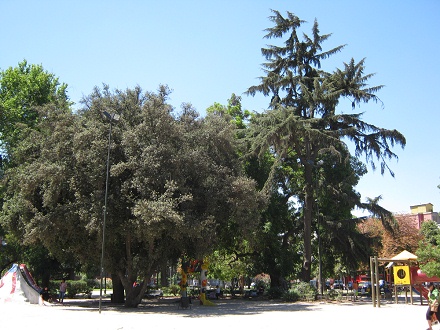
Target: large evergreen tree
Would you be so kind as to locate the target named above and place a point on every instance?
(175, 185)
(303, 119)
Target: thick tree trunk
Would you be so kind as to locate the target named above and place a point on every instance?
(134, 293)
(132, 298)
(118, 290)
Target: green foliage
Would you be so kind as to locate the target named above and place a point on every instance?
(301, 291)
(226, 266)
(334, 294)
(291, 295)
(79, 287)
(175, 184)
(303, 125)
(171, 290)
(74, 288)
(428, 253)
(275, 292)
(304, 291)
(238, 116)
(261, 282)
(22, 89)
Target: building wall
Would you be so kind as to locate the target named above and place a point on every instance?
(422, 208)
(421, 213)
(418, 219)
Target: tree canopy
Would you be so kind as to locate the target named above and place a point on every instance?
(175, 186)
(428, 253)
(303, 121)
(22, 88)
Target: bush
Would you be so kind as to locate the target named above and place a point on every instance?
(54, 288)
(78, 287)
(291, 295)
(302, 291)
(334, 294)
(171, 290)
(275, 292)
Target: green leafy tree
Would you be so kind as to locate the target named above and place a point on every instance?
(428, 253)
(303, 117)
(175, 185)
(22, 88)
(273, 247)
(231, 267)
(276, 245)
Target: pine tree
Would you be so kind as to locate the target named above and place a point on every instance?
(302, 116)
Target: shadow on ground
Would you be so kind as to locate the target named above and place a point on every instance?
(223, 307)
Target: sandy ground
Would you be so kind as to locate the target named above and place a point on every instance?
(227, 314)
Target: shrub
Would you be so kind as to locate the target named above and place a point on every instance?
(291, 295)
(275, 292)
(78, 287)
(175, 289)
(334, 294)
(171, 290)
(304, 291)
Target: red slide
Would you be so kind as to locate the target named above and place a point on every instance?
(420, 288)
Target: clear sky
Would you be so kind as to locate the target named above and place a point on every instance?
(207, 50)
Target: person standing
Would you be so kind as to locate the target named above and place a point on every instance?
(63, 287)
(217, 292)
(433, 300)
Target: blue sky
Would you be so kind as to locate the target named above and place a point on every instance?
(207, 50)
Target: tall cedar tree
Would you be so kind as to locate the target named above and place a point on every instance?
(302, 114)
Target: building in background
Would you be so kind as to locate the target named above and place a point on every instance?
(421, 213)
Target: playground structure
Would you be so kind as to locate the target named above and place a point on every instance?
(189, 267)
(405, 273)
(18, 285)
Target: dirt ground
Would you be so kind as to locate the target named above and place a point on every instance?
(227, 314)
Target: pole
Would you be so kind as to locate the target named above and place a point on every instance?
(376, 279)
(321, 287)
(373, 292)
(105, 215)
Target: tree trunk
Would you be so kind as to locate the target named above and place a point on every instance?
(134, 293)
(164, 275)
(118, 290)
(45, 279)
(277, 281)
(132, 300)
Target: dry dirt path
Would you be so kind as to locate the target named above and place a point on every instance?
(227, 314)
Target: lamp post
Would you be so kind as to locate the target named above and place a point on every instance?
(112, 118)
(316, 166)
(321, 286)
